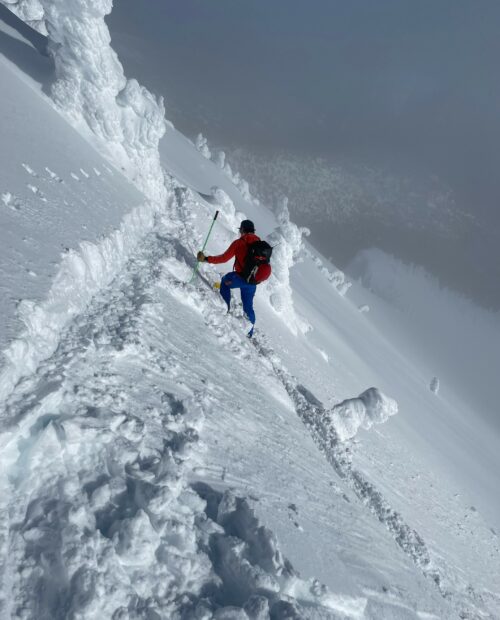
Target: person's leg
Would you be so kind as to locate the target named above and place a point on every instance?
(247, 295)
(226, 286)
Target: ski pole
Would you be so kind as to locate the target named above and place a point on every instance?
(195, 270)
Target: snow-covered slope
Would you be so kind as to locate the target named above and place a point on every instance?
(157, 464)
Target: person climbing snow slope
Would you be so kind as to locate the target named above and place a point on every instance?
(251, 266)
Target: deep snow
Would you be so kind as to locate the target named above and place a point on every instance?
(155, 463)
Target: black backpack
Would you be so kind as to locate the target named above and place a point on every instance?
(259, 253)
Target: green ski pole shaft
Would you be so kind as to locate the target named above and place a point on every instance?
(195, 270)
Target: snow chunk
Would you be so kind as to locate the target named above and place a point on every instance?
(369, 408)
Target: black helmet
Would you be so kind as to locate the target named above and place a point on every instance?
(247, 226)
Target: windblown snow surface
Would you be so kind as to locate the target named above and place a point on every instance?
(155, 462)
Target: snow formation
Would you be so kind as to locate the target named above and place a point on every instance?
(369, 408)
(287, 243)
(91, 89)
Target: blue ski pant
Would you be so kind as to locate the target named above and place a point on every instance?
(247, 291)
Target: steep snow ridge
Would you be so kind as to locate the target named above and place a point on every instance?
(91, 87)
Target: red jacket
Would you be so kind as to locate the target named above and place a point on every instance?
(238, 249)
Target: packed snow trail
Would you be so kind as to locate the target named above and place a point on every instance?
(98, 517)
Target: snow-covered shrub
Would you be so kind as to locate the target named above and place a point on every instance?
(364, 308)
(434, 385)
(369, 408)
(91, 89)
(30, 11)
(202, 146)
(286, 240)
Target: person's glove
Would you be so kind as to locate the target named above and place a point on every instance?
(201, 257)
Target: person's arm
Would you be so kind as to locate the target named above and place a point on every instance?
(223, 258)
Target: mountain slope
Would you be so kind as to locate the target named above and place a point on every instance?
(158, 464)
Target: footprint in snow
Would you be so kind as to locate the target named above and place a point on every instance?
(74, 176)
(96, 172)
(108, 169)
(29, 170)
(9, 200)
(37, 192)
(85, 174)
(53, 175)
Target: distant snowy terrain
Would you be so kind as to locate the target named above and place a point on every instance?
(158, 464)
